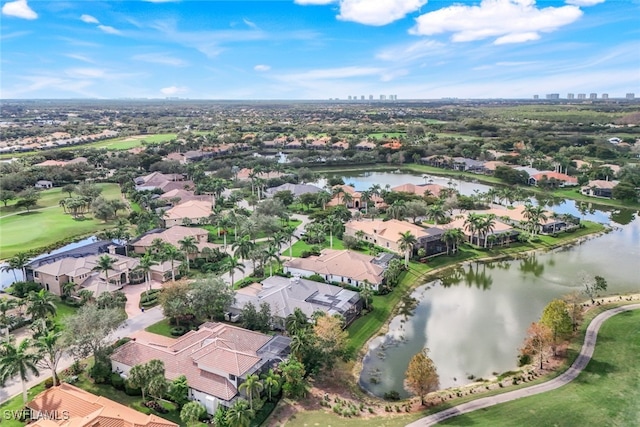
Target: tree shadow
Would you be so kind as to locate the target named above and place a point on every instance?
(597, 367)
(29, 213)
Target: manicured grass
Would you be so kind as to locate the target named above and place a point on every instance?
(381, 135)
(605, 393)
(42, 228)
(15, 404)
(323, 419)
(301, 246)
(161, 328)
(230, 238)
(574, 194)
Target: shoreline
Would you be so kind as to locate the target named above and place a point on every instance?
(356, 371)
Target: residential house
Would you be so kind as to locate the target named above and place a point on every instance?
(387, 233)
(340, 145)
(517, 218)
(318, 144)
(504, 233)
(296, 144)
(173, 236)
(365, 146)
(356, 201)
(51, 163)
(215, 359)
(491, 166)
(82, 271)
(468, 165)
(178, 195)
(393, 145)
(245, 174)
(438, 161)
(343, 266)
(599, 188)
(192, 210)
(564, 179)
(296, 189)
(69, 406)
(160, 181)
(43, 184)
(420, 190)
(284, 295)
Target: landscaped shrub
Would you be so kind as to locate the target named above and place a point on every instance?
(178, 331)
(392, 395)
(117, 381)
(48, 383)
(524, 359)
(316, 278)
(100, 372)
(131, 391)
(22, 289)
(120, 342)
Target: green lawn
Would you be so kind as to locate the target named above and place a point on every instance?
(15, 404)
(161, 328)
(230, 238)
(301, 246)
(606, 393)
(45, 228)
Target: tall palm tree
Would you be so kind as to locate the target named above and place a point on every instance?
(406, 242)
(146, 262)
(396, 210)
(452, 238)
(18, 262)
(272, 254)
(224, 222)
(333, 224)
(240, 414)
(6, 304)
(171, 253)
(243, 247)
(347, 198)
(323, 198)
(40, 304)
(18, 360)
(366, 293)
(535, 215)
(288, 233)
(472, 225)
(272, 383)
(188, 246)
(232, 264)
(487, 225)
(51, 350)
(296, 322)
(252, 387)
(365, 199)
(105, 263)
(437, 213)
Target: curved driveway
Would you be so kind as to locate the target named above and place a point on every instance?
(569, 375)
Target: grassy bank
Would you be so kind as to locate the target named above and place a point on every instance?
(48, 224)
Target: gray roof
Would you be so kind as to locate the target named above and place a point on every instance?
(296, 189)
(284, 295)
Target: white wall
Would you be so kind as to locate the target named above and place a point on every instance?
(211, 403)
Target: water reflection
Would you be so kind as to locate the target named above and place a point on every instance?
(531, 265)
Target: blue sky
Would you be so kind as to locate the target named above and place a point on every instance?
(318, 49)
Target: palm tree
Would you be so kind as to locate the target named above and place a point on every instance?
(452, 238)
(487, 225)
(157, 246)
(224, 222)
(323, 198)
(18, 360)
(232, 264)
(296, 322)
(288, 234)
(332, 223)
(67, 289)
(535, 216)
(272, 383)
(472, 225)
(347, 198)
(171, 253)
(105, 263)
(243, 247)
(272, 254)
(365, 199)
(240, 414)
(6, 304)
(146, 262)
(406, 243)
(298, 342)
(188, 246)
(51, 350)
(366, 293)
(40, 304)
(252, 387)
(436, 213)
(17, 262)
(396, 210)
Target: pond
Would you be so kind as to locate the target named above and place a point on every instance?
(474, 319)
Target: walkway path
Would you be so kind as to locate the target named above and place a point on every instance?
(569, 375)
(138, 323)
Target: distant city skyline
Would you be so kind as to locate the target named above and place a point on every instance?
(319, 49)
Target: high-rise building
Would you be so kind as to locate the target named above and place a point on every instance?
(370, 97)
(630, 96)
(383, 97)
(582, 96)
(361, 97)
(553, 96)
(570, 96)
(349, 98)
(536, 97)
(605, 96)
(593, 96)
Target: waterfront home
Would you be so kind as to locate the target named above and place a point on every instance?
(296, 189)
(599, 188)
(215, 359)
(516, 217)
(354, 200)
(420, 190)
(342, 266)
(502, 233)
(564, 179)
(285, 295)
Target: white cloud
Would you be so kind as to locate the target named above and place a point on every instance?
(584, 3)
(108, 29)
(334, 73)
(370, 12)
(86, 73)
(89, 19)
(262, 67)
(173, 90)
(79, 57)
(411, 52)
(378, 12)
(160, 58)
(510, 21)
(19, 9)
(250, 24)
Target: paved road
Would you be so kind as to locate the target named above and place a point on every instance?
(140, 322)
(569, 375)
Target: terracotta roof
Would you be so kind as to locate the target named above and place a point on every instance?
(85, 409)
(499, 227)
(390, 230)
(49, 163)
(171, 235)
(557, 175)
(214, 347)
(183, 195)
(74, 266)
(344, 263)
(492, 165)
(600, 183)
(420, 190)
(243, 174)
(193, 209)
